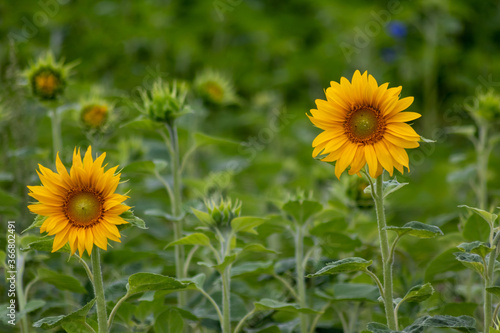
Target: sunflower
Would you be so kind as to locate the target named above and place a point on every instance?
(81, 206)
(363, 124)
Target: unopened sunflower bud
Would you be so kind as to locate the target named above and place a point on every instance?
(94, 116)
(214, 88)
(164, 102)
(48, 78)
(486, 106)
(224, 212)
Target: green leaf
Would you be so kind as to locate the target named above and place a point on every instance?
(270, 304)
(203, 139)
(78, 316)
(475, 228)
(476, 247)
(419, 293)
(470, 260)
(388, 187)
(228, 260)
(169, 321)
(495, 290)
(37, 223)
(60, 281)
(379, 328)
(493, 330)
(417, 229)
(256, 247)
(146, 167)
(203, 217)
(246, 224)
(164, 215)
(141, 282)
(132, 221)
(302, 210)
(253, 268)
(75, 327)
(461, 323)
(141, 123)
(196, 238)
(488, 217)
(343, 266)
(31, 306)
(443, 263)
(354, 292)
(45, 244)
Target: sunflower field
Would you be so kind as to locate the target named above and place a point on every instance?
(250, 166)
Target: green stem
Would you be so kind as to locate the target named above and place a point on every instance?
(226, 300)
(176, 208)
(301, 286)
(242, 321)
(115, 309)
(99, 291)
(21, 295)
(482, 165)
(56, 131)
(287, 285)
(488, 280)
(378, 197)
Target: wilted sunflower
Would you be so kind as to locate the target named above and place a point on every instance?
(81, 206)
(363, 123)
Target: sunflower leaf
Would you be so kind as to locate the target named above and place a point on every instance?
(141, 282)
(246, 224)
(495, 290)
(132, 220)
(302, 210)
(60, 281)
(419, 293)
(389, 186)
(45, 244)
(470, 260)
(476, 247)
(196, 238)
(270, 304)
(343, 266)
(488, 217)
(37, 223)
(78, 315)
(416, 229)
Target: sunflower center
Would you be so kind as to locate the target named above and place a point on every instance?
(84, 208)
(364, 125)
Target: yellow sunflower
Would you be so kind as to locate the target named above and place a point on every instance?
(362, 123)
(81, 206)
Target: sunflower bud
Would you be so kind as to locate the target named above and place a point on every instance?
(214, 88)
(94, 116)
(48, 78)
(486, 106)
(224, 212)
(164, 103)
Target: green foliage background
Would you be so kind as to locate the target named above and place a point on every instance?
(280, 56)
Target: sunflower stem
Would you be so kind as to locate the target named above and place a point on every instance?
(488, 281)
(378, 197)
(176, 208)
(299, 263)
(99, 292)
(56, 131)
(482, 164)
(226, 284)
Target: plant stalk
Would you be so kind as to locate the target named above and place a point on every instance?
(56, 132)
(482, 165)
(301, 286)
(378, 197)
(99, 292)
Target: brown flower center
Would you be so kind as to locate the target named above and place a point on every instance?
(84, 208)
(364, 125)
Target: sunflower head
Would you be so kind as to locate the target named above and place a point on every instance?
(165, 102)
(486, 106)
(214, 88)
(48, 78)
(94, 116)
(363, 123)
(81, 206)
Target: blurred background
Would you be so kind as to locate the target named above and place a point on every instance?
(276, 58)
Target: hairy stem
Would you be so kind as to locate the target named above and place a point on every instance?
(301, 286)
(99, 292)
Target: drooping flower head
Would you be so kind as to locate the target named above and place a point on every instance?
(81, 206)
(47, 77)
(363, 123)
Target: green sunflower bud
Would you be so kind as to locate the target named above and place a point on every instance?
(48, 78)
(94, 116)
(214, 88)
(224, 212)
(486, 106)
(164, 102)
